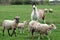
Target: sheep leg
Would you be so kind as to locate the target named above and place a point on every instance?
(3, 31)
(32, 32)
(39, 37)
(42, 36)
(48, 37)
(43, 19)
(13, 33)
(8, 32)
(21, 30)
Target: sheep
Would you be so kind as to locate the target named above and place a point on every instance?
(42, 29)
(21, 26)
(10, 25)
(42, 13)
(45, 29)
(31, 26)
(38, 13)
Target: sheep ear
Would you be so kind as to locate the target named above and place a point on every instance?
(46, 10)
(52, 25)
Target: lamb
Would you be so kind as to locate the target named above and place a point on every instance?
(45, 29)
(21, 26)
(38, 13)
(10, 25)
(42, 29)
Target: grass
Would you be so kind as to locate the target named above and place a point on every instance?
(24, 11)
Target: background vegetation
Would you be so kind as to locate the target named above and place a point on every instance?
(21, 1)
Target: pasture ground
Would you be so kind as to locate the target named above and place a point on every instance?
(24, 11)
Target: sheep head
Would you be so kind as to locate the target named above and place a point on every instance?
(50, 10)
(17, 19)
(53, 26)
(25, 22)
(45, 10)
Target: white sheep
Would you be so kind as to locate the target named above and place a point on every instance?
(38, 13)
(42, 13)
(21, 26)
(32, 26)
(43, 29)
(10, 25)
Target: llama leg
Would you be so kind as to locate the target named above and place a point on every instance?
(31, 18)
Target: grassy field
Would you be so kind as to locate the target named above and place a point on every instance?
(24, 11)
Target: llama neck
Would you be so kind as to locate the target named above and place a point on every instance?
(35, 10)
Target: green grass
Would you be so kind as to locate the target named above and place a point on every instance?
(24, 11)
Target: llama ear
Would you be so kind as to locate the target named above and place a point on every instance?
(34, 3)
